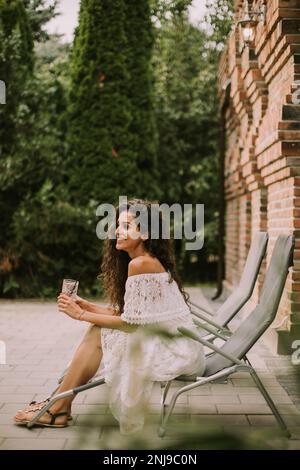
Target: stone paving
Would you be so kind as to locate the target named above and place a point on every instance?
(39, 343)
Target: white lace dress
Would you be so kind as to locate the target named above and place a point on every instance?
(132, 362)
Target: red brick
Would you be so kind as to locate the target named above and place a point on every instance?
(262, 164)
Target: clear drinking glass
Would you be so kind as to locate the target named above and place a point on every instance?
(70, 287)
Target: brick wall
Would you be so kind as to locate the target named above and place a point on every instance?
(262, 161)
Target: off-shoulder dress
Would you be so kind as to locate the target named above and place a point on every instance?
(155, 351)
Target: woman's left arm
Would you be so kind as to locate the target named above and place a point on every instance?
(67, 305)
(107, 321)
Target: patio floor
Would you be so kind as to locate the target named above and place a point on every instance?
(39, 343)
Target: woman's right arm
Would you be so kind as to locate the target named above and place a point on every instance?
(94, 308)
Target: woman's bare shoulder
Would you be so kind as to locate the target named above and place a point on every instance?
(143, 265)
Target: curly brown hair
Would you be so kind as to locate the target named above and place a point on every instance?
(114, 266)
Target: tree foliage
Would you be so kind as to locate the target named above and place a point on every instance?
(16, 62)
(219, 18)
(31, 153)
(140, 41)
(39, 13)
(108, 129)
(187, 112)
(130, 109)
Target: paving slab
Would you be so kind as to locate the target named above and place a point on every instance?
(40, 342)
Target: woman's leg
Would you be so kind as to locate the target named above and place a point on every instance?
(83, 367)
(85, 362)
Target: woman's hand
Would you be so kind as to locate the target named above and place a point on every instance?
(69, 306)
(85, 304)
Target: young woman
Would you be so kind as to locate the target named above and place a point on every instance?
(135, 339)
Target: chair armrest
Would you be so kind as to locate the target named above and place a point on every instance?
(210, 330)
(207, 320)
(203, 309)
(191, 334)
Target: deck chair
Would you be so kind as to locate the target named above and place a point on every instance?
(240, 295)
(231, 357)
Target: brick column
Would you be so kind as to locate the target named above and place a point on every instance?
(262, 164)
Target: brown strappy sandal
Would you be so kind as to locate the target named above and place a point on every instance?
(47, 425)
(38, 405)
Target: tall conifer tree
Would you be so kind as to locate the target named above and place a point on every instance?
(16, 64)
(102, 161)
(140, 40)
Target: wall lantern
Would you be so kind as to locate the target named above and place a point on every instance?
(250, 18)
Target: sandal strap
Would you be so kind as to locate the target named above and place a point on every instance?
(56, 415)
(39, 405)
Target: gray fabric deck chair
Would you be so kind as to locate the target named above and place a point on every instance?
(231, 357)
(240, 295)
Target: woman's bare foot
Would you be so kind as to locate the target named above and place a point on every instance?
(36, 405)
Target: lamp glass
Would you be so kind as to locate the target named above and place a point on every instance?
(248, 33)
